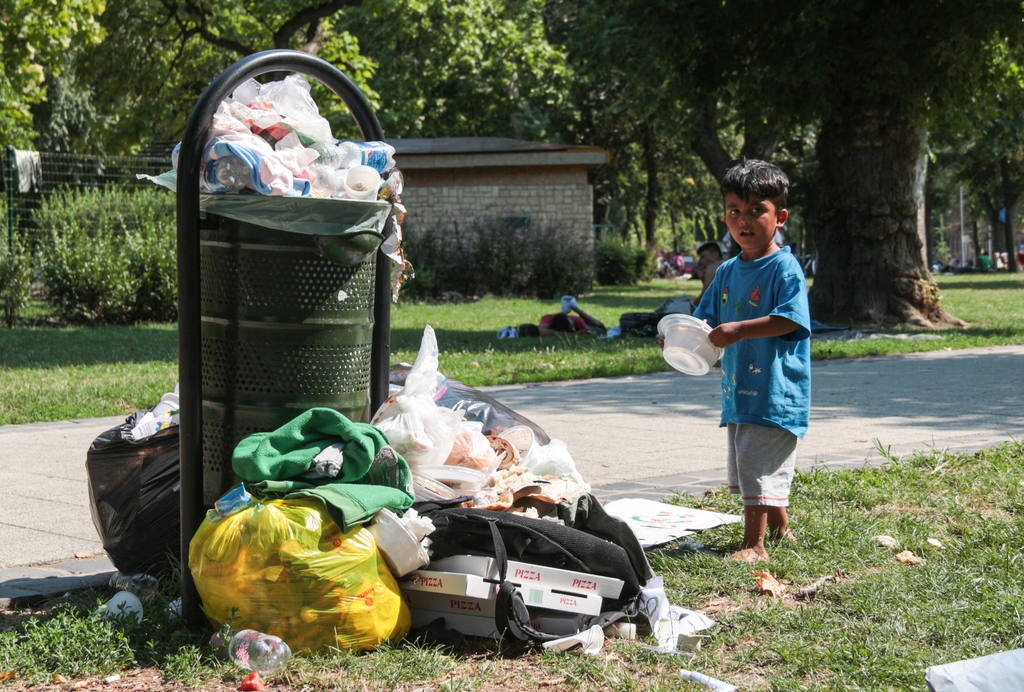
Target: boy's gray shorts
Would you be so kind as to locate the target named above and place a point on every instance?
(760, 464)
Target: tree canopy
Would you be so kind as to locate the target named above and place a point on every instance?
(850, 97)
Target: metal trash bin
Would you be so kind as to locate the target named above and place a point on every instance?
(274, 316)
(287, 316)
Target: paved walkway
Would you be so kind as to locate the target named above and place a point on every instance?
(642, 436)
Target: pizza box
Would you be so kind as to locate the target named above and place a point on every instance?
(533, 596)
(470, 625)
(455, 583)
(522, 574)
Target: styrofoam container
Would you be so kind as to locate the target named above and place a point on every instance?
(401, 551)
(687, 348)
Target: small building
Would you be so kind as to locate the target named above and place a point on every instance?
(461, 180)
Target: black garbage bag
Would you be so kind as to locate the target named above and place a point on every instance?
(495, 416)
(134, 490)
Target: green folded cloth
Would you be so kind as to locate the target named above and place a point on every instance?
(373, 476)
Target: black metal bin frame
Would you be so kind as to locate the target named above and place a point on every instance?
(189, 290)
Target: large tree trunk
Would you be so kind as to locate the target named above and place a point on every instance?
(870, 264)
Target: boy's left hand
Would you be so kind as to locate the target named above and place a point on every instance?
(725, 334)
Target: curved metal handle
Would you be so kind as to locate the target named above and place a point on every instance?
(189, 291)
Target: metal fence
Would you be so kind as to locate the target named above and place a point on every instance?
(29, 177)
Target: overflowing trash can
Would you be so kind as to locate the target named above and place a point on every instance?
(284, 303)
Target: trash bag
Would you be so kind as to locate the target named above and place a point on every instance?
(476, 405)
(495, 416)
(134, 492)
(283, 567)
(420, 430)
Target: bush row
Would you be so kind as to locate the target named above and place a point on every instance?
(108, 256)
(103, 256)
(503, 257)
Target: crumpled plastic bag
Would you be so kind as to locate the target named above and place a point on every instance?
(553, 459)
(421, 431)
(285, 106)
(283, 567)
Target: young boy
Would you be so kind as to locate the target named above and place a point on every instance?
(757, 306)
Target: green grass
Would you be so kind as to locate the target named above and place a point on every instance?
(56, 373)
(876, 629)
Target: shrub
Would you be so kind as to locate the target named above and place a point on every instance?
(615, 263)
(110, 256)
(15, 279)
(503, 257)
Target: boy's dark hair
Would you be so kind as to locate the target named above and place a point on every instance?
(561, 323)
(710, 245)
(758, 178)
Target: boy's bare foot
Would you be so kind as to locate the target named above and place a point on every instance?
(757, 554)
(788, 537)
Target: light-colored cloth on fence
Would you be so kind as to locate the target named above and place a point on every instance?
(30, 170)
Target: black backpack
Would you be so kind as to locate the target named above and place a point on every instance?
(505, 536)
(639, 323)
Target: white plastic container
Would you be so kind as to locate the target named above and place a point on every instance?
(427, 489)
(687, 348)
(362, 182)
(457, 478)
(521, 437)
(397, 543)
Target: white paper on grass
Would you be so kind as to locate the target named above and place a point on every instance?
(655, 523)
(592, 641)
(996, 673)
(679, 622)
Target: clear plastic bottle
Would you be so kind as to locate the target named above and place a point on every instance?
(227, 174)
(264, 653)
(376, 155)
(142, 585)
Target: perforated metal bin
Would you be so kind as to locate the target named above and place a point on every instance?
(284, 328)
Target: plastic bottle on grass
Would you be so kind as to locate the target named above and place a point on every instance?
(263, 653)
(142, 585)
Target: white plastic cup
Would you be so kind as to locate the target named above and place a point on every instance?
(687, 348)
(401, 550)
(362, 182)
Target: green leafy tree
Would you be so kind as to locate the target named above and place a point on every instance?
(158, 57)
(33, 37)
(990, 151)
(873, 76)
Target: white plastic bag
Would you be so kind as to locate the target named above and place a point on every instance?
(415, 426)
(554, 460)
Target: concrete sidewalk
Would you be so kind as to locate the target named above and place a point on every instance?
(642, 436)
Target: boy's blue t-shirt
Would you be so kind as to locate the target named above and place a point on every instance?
(765, 381)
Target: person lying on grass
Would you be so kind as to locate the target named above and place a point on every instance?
(564, 323)
(757, 306)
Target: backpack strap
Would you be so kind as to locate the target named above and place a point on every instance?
(510, 613)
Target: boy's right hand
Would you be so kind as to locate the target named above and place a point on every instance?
(661, 342)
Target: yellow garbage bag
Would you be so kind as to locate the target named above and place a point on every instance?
(284, 567)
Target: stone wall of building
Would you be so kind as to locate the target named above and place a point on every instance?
(445, 206)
